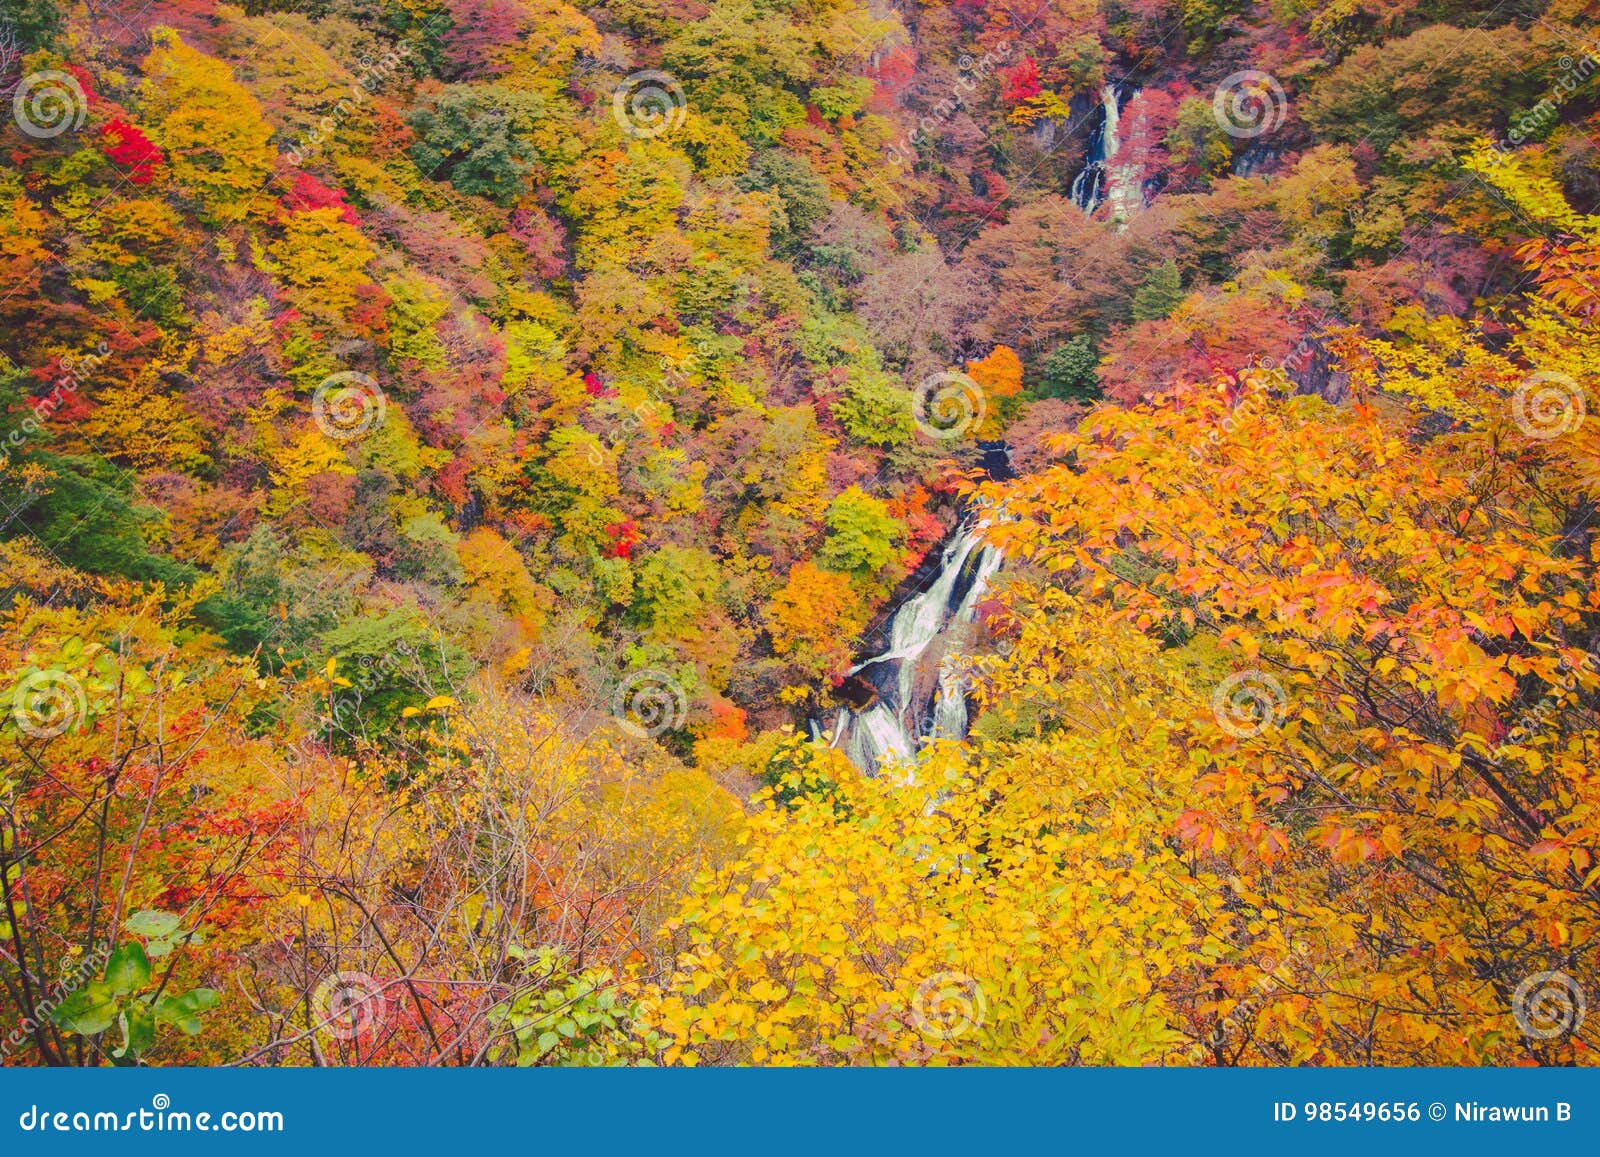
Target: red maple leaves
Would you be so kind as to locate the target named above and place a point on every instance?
(131, 151)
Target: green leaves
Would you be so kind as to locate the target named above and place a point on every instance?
(566, 1018)
(183, 1012)
(161, 933)
(122, 997)
(138, 1025)
(159, 925)
(863, 537)
(128, 969)
(90, 1010)
(480, 138)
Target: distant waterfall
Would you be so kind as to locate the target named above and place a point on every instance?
(918, 695)
(1125, 177)
(1087, 187)
(1101, 180)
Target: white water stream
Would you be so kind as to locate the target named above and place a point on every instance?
(1101, 181)
(920, 696)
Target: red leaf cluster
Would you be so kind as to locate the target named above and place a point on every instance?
(131, 151)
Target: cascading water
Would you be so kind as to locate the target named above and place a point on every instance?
(1102, 180)
(918, 695)
(1087, 190)
(1125, 174)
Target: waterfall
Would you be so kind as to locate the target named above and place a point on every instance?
(1102, 181)
(1125, 178)
(919, 693)
(1086, 186)
(1109, 102)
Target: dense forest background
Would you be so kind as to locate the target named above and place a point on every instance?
(452, 451)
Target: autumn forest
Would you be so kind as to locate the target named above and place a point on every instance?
(799, 532)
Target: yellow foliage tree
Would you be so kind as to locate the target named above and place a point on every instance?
(217, 143)
(322, 261)
(814, 620)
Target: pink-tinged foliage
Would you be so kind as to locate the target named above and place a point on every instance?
(1146, 119)
(480, 29)
(543, 239)
(1439, 271)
